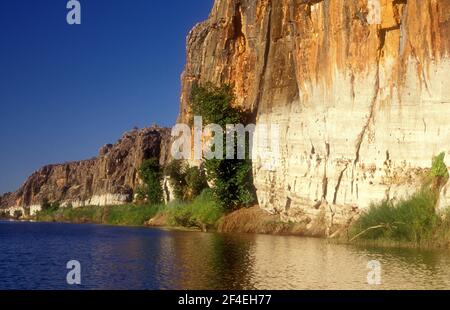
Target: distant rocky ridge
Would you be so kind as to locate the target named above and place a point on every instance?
(109, 179)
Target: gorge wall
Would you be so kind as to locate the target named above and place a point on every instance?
(362, 107)
(109, 179)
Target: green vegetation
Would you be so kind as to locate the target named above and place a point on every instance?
(47, 206)
(412, 220)
(187, 182)
(214, 104)
(196, 205)
(232, 178)
(151, 174)
(439, 168)
(126, 215)
(203, 212)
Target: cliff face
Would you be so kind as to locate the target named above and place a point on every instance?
(109, 179)
(362, 107)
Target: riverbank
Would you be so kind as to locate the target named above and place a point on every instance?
(202, 214)
(411, 223)
(252, 220)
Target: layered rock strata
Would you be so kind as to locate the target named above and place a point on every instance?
(363, 104)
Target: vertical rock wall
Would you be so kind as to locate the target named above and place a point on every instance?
(362, 107)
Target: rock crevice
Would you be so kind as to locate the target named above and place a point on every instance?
(347, 89)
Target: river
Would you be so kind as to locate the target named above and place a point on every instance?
(34, 256)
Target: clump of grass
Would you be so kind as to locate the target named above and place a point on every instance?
(202, 212)
(130, 215)
(411, 220)
(79, 215)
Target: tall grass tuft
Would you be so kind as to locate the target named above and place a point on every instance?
(203, 212)
(131, 215)
(412, 220)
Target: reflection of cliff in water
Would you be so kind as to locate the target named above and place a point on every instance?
(206, 261)
(137, 258)
(213, 261)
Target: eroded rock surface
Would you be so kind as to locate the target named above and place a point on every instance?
(362, 107)
(109, 179)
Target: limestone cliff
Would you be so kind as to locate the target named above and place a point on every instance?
(109, 179)
(362, 107)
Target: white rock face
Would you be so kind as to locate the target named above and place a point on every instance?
(35, 209)
(97, 200)
(348, 152)
(363, 107)
(13, 210)
(101, 200)
(168, 190)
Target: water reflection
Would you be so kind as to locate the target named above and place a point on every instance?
(132, 258)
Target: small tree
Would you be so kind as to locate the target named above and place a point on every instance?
(232, 178)
(214, 104)
(195, 182)
(187, 182)
(150, 173)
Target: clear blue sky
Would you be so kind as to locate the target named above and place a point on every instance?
(67, 90)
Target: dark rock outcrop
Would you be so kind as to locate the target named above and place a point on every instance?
(111, 178)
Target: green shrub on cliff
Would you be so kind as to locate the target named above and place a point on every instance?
(151, 174)
(231, 178)
(196, 182)
(214, 104)
(187, 182)
(439, 168)
(439, 172)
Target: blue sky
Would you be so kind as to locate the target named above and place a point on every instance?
(67, 90)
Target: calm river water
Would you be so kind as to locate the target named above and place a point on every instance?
(34, 256)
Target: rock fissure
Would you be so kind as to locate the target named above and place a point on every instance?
(338, 185)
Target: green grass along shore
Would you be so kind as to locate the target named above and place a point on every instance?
(202, 213)
(411, 222)
(408, 223)
(382, 225)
